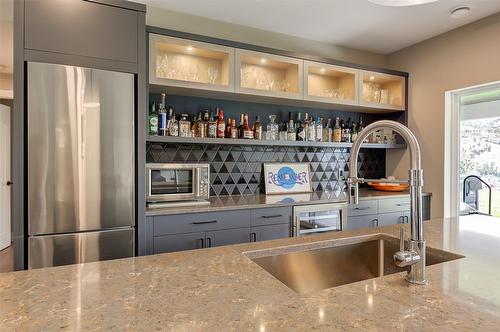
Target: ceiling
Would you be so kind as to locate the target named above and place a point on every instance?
(351, 23)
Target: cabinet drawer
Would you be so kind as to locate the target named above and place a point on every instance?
(363, 208)
(200, 222)
(361, 222)
(178, 242)
(82, 28)
(394, 204)
(269, 216)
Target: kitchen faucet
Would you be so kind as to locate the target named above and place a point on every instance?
(414, 256)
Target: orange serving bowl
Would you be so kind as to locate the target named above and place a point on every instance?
(388, 186)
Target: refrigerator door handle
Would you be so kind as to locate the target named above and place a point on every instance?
(83, 120)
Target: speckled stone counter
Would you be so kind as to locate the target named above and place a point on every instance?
(259, 201)
(221, 289)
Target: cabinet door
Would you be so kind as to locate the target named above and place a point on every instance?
(82, 28)
(266, 74)
(190, 64)
(270, 232)
(227, 236)
(178, 242)
(361, 222)
(393, 218)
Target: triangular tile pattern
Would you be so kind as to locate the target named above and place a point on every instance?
(237, 170)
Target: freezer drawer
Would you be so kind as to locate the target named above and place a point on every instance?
(63, 249)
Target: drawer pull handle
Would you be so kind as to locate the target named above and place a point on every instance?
(402, 204)
(253, 237)
(362, 208)
(204, 222)
(273, 216)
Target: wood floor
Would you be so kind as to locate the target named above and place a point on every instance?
(7, 260)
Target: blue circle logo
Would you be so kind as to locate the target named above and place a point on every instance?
(286, 177)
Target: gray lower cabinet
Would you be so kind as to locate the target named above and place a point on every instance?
(385, 219)
(178, 242)
(358, 222)
(227, 236)
(270, 232)
(212, 229)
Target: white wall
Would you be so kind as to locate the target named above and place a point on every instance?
(460, 58)
(212, 28)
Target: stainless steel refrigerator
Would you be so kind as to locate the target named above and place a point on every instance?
(80, 164)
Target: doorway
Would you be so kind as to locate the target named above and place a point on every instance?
(472, 145)
(5, 231)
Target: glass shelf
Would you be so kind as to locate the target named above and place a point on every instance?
(383, 90)
(329, 83)
(186, 63)
(227, 141)
(267, 74)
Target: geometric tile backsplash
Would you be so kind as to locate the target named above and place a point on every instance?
(237, 169)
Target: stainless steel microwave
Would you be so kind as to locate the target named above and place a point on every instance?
(177, 182)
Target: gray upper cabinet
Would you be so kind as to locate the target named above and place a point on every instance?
(82, 28)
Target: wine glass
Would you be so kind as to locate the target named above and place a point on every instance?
(213, 73)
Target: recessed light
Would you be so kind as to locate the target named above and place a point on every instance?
(460, 12)
(372, 78)
(401, 3)
(263, 60)
(190, 48)
(322, 70)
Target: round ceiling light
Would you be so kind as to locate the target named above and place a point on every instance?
(401, 3)
(460, 12)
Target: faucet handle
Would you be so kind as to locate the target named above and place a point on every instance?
(402, 239)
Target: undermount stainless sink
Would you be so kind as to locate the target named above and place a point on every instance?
(319, 265)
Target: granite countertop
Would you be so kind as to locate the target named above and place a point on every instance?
(222, 289)
(261, 200)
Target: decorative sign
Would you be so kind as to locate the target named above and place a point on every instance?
(287, 178)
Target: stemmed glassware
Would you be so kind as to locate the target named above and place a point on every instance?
(212, 73)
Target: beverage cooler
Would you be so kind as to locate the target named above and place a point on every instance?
(317, 218)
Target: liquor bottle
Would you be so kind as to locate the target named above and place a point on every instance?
(228, 128)
(319, 129)
(184, 126)
(234, 129)
(290, 130)
(346, 131)
(153, 120)
(257, 128)
(354, 132)
(200, 127)
(162, 116)
(311, 130)
(301, 133)
(212, 127)
(173, 124)
(337, 131)
(361, 126)
(327, 131)
(240, 127)
(247, 131)
(206, 118)
(221, 125)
